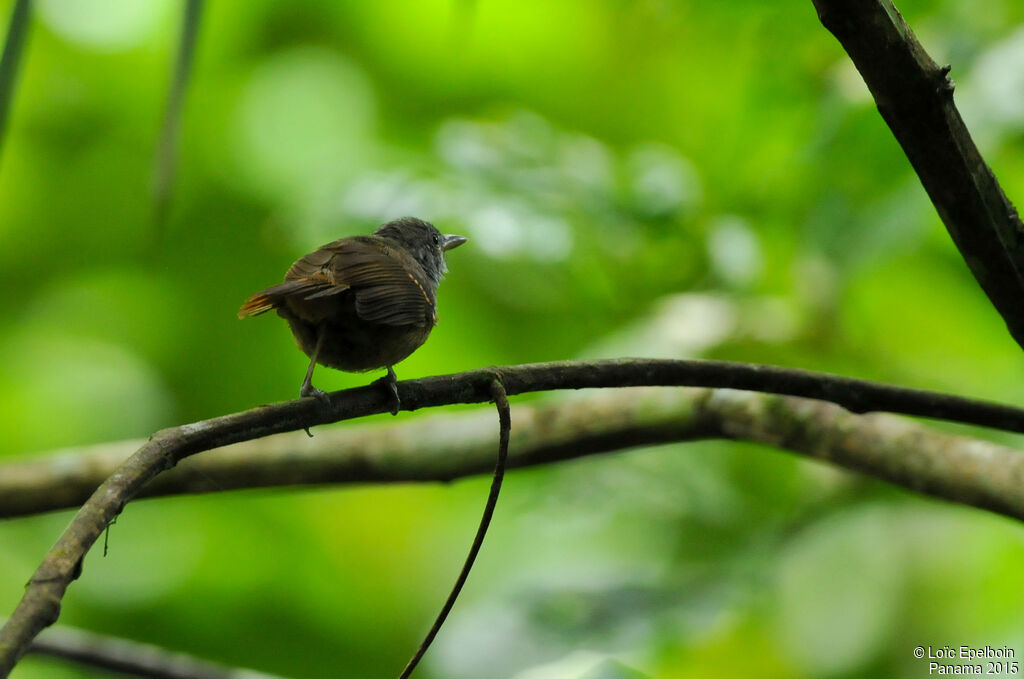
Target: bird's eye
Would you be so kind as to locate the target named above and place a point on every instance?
(437, 239)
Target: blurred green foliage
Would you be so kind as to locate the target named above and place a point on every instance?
(651, 178)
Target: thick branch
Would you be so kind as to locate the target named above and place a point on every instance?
(40, 605)
(915, 97)
(445, 447)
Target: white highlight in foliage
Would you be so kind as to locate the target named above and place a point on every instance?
(734, 250)
(111, 25)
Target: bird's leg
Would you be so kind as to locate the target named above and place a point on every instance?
(307, 389)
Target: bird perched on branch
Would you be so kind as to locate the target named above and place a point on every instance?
(362, 302)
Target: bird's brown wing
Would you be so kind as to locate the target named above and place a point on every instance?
(388, 285)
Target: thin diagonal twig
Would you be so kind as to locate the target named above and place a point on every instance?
(17, 32)
(166, 159)
(505, 427)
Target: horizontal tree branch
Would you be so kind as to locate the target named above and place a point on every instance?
(915, 97)
(449, 446)
(40, 605)
(131, 657)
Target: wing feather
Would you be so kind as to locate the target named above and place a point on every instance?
(389, 288)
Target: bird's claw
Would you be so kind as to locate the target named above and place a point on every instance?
(391, 382)
(308, 390)
(396, 403)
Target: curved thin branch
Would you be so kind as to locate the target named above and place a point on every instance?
(504, 428)
(131, 657)
(40, 605)
(915, 97)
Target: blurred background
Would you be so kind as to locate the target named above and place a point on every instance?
(637, 178)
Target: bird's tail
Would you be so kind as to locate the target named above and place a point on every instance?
(257, 304)
(273, 297)
(268, 299)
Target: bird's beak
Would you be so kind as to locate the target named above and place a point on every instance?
(452, 241)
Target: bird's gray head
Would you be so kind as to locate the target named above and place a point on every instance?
(423, 241)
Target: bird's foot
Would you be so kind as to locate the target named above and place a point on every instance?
(390, 381)
(308, 390)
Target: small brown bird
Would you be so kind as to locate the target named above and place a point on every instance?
(362, 302)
